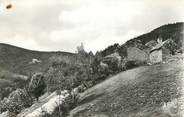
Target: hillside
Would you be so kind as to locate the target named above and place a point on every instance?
(174, 31)
(140, 92)
(9, 81)
(19, 60)
(145, 90)
(170, 31)
(18, 64)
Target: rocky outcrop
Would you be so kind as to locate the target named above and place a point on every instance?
(46, 105)
(4, 114)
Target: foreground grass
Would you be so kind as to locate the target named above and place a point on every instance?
(140, 92)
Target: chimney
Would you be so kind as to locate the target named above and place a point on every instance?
(159, 40)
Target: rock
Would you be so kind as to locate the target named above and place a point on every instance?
(4, 114)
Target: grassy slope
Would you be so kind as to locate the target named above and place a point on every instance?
(17, 59)
(15, 62)
(10, 80)
(141, 89)
(10, 77)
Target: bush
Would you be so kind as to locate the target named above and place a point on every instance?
(37, 85)
(16, 101)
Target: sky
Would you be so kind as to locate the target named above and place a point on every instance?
(62, 25)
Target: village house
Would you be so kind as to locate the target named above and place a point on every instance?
(109, 58)
(136, 54)
(155, 55)
(153, 52)
(158, 52)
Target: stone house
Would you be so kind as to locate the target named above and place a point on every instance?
(154, 52)
(136, 54)
(110, 60)
(158, 52)
(155, 55)
(114, 56)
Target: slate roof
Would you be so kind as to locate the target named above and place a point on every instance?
(158, 46)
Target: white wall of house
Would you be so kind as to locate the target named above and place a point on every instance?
(156, 56)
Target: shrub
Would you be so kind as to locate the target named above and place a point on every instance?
(16, 101)
(37, 85)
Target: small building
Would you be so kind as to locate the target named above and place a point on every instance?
(158, 52)
(103, 65)
(114, 56)
(35, 61)
(111, 63)
(155, 55)
(136, 54)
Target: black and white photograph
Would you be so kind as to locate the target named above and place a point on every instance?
(91, 58)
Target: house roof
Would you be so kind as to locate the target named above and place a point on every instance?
(151, 43)
(112, 55)
(158, 46)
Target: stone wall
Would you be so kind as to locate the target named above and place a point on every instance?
(155, 56)
(135, 54)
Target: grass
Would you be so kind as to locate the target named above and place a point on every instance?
(15, 62)
(10, 81)
(15, 59)
(141, 91)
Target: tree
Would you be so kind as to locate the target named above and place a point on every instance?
(80, 49)
(37, 85)
(110, 49)
(82, 55)
(171, 46)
